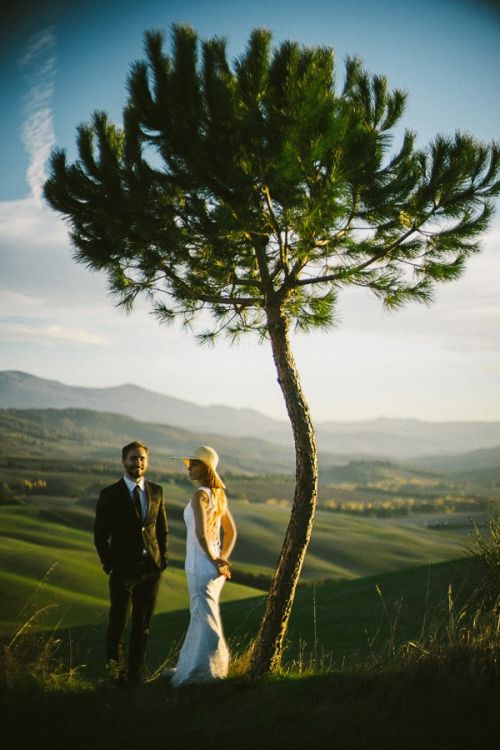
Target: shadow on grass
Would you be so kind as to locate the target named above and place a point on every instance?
(362, 711)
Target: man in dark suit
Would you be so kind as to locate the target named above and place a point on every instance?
(130, 535)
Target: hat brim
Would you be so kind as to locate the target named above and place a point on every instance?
(186, 459)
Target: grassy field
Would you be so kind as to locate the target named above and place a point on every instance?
(367, 698)
(46, 563)
(343, 546)
(365, 580)
(48, 556)
(388, 711)
(334, 623)
(386, 584)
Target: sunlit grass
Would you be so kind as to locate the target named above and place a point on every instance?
(32, 542)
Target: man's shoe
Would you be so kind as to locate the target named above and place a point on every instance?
(115, 674)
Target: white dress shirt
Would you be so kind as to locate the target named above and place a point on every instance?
(131, 485)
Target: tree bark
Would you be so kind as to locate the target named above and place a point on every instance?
(268, 646)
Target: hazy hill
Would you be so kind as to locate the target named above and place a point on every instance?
(365, 472)
(407, 438)
(80, 434)
(382, 438)
(481, 467)
(485, 458)
(18, 390)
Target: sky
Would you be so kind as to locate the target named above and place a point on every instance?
(61, 60)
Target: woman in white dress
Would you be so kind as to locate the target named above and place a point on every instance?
(211, 535)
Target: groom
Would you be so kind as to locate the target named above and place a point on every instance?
(130, 535)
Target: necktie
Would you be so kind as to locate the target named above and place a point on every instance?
(137, 501)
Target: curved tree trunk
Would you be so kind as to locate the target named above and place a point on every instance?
(268, 646)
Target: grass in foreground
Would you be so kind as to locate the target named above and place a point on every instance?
(436, 691)
(398, 707)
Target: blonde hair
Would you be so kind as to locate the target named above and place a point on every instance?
(213, 481)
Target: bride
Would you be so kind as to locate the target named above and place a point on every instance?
(211, 535)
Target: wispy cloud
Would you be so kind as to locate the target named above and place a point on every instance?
(47, 335)
(38, 137)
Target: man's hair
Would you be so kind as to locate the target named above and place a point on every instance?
(132, 446)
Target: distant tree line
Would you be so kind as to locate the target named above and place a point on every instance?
(407, 506)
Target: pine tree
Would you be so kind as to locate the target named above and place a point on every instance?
(257, 192)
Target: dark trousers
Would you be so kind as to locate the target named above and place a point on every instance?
(135, 595)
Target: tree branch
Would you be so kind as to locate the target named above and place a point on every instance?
(215, 299)
(277, 230)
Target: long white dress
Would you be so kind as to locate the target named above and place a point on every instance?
(204, 655)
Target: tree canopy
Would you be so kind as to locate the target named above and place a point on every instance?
(227, 185)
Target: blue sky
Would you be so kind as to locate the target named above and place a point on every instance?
(59, 61)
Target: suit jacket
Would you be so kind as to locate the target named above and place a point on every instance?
(120, 536)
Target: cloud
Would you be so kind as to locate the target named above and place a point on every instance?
(47, 335)
(74, 335)
(12, 302)
(38, 136)
(30, 223)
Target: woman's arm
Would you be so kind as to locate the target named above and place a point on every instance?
(229, 539)
(199, 503)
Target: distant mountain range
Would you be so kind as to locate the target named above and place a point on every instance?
(19, 390)
(77, 436)
(73, 437)
(399, 439)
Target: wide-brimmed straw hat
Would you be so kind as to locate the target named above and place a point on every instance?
(206, 455)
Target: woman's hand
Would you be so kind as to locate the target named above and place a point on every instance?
(223, 567)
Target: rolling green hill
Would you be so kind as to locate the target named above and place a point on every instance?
(338, 622)
(73, 453)
(81, 435)
(95, 437)
(342, 546)
(399, 439)
(48, 556)
(45, 563)
(56, 461)
(484, 458)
